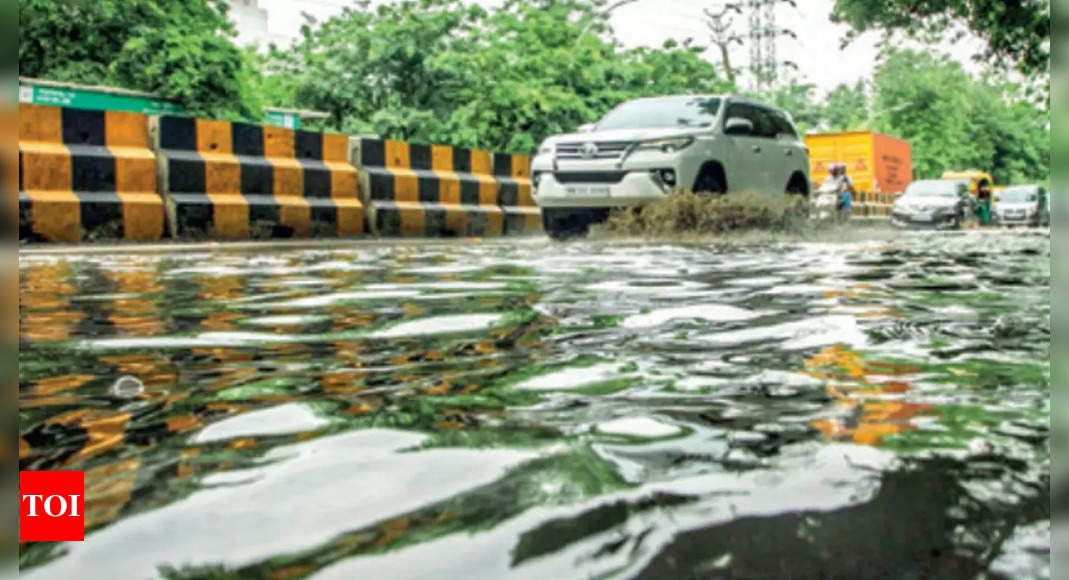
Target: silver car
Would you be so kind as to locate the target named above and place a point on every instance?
(644, 149)
(933, 203)
(1024, 205)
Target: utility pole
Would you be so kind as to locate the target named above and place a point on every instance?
(764, 60)
(723, 35)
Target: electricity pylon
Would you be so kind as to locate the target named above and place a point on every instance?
(764, 61)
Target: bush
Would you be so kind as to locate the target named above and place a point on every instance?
(686, 212)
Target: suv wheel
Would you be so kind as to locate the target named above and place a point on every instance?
(709, 183)
(564, 223)
(797, 187)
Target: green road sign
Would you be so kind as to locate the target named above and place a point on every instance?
(283, 119)
(112, 99)
(99, 100)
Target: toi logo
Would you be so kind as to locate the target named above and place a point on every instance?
(51, 506)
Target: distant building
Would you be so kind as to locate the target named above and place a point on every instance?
(251, 23)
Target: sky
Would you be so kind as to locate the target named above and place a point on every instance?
(651, 22)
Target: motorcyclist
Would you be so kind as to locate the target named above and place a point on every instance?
(846, 188)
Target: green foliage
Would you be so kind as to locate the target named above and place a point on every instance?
(176, 48)
(450, 71)
(846, 108)
(1017, 32)
(446, 71)
(954, 121)
(800, 100)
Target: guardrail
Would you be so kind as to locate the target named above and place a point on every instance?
(86, 175)
(228, 180)
(427, 190)
(871, 205)
(514, 174)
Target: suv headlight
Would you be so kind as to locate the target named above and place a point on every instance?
(670, 145)
(546, 149)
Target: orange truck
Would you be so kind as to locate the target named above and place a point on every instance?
(875, 162)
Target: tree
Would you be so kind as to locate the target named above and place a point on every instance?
(846, 107)
(539, 73)
(1017, 32)
(799, 99)
(380, 70)
(954, 121)
(722, 36)
(180, 49)
(445, 71)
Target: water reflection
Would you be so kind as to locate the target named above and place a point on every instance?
(543, 410)
(871, 404)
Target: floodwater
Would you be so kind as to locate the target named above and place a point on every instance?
(547, 411)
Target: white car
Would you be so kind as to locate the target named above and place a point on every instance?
(1024, 205)
(644, 149)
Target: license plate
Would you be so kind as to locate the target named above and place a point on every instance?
(922, 217)
(589, 190)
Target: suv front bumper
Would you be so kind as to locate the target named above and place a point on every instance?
(564, 189)
(605, 182)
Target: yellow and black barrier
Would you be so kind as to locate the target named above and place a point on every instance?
(86, 174)
(513, 172)
(428, 190)
(872, 205)
(233, 180)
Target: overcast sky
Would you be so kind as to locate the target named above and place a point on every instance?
(651, 22)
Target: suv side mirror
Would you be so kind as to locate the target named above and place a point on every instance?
(586, 128)
(738, 126)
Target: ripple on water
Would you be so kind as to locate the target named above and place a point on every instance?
(640, 427)
(450, 324)
(820, 479)
(205, 340)
(662, 288)
(285, 320)
(284, 419)
(571, 378)
(337, 298)
(708, 312)
(810, 333)
(304, 495)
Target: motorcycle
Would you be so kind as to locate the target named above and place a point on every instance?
(825, 204)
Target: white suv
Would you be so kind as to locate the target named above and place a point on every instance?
(644, 149)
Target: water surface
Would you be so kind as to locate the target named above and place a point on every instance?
(538, 410)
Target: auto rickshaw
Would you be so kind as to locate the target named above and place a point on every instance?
(978, 183)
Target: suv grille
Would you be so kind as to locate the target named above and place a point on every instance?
(590, 177)
(605, 150)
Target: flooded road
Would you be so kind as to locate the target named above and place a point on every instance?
(537, 410)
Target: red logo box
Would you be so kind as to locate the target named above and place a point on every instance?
(51, 506)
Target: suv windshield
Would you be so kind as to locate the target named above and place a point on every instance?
(1018, 195)
(933, 189)
(662, 113)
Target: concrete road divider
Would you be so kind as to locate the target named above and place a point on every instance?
(513, 173)
(86, 175)
(870, 205)
(226, 180)
(427, 190)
